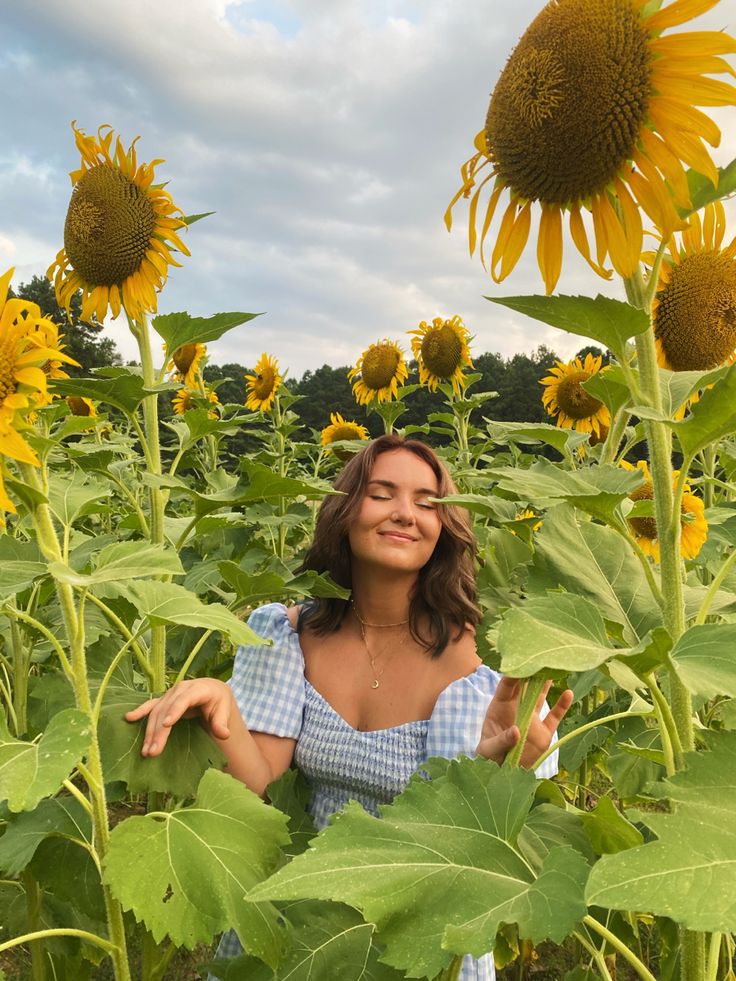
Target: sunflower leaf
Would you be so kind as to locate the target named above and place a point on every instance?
(15, 576)
(121, 387)
(702, 191)
(610, 387)
(442, 868)
(71, 498)
(32, 771)
(270, 585)
(169, 603)
(563, 440)
(123, 560)
(703, 658)
(594, 562)
(687, 874)
(178, 329)
(711, 418)
(25, 832)
(603, 319)
(184, 873)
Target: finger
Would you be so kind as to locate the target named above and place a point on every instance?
(218, 723)
(496, 747)
(558, 711)
(507, 690)
(143, 709)
(542, 698)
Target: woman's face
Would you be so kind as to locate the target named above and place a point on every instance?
(397, 526)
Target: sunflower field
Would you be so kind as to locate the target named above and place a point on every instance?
(133, 549)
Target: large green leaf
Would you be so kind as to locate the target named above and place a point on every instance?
(31, 771)
(271, 585)
(610, 387)
(608, 830)
(556, 633)
(596, 563)
(72, 497)
(329, 940)
(189, 751)
(168, 603)
(596, 490)
(184, 873)
(265, 485)
(179, 328)
(565, 441)
(710, 418)
(441, 869)
(610, 322)
(121, 387)
(60, 816)
(688, 873)
(704, 659)
(123, 560)
(15, 576)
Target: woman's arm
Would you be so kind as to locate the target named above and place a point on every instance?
(254, 758)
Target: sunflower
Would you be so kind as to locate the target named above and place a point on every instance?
(26, 360)
(523, 515)
(693, 525)
(565, 397)
(185, 399)
(263, 385)
(80, 406)
(340, 428)
(695, 304)
(119, 232)
(185, 363)
(441, 352)
(379, 372)
(595, 110)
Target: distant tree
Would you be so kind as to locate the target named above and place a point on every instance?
(81, 337)
(517, 382)
(328, 390)
(596, 352)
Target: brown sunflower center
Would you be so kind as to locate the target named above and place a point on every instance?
(184, 356)
(78, 406)
(695, 320)
(379, 366)
(7, 382)
(572, 398)
(644, 527)
(108, 227)
(264, 383)
(570, 103)
(344, 432)
(442, 351)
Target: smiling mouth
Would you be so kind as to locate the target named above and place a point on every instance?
(397, 536)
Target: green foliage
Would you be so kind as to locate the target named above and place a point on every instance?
(442, 868)
(184, 873)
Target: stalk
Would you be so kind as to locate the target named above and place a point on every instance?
(141, 333)
(74, 626)
(532, 689)
(620, 947)
(21, 665)
(33, 906)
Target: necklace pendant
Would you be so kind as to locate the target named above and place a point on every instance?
(375, 683)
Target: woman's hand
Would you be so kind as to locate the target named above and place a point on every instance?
(500, 733)
(208, 698)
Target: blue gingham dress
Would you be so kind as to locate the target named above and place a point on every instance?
(340, 762)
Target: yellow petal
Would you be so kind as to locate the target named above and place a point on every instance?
(549, 246)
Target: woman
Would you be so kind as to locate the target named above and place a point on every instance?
(358, 694)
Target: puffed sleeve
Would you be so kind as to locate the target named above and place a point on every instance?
(456, 722)
(268, 679)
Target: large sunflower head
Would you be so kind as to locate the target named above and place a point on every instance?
(263, 385)
(119, 231)
(379, 372)
(695, 303)
(565, 397)
(338, 429)
(29, 352)
(441, 350)
(596, 111)
(186, 361)
(693, 525)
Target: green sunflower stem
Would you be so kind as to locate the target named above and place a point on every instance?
(74, 626)
(141, 332)
(531, 690)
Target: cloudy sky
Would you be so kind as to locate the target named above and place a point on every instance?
(326, 135)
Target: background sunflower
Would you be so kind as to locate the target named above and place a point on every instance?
(441, 350)
(262, 386)
(565, 398)
(338, 429)
(379, 372)
(592, 88)
(693, 524)
(119, 232)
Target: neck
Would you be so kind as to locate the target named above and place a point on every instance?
(384, 601)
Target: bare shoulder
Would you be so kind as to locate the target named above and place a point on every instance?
(293, 615)
(462, 651)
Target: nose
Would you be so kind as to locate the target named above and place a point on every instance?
(403, 511)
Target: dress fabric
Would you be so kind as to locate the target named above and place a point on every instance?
(339, 762)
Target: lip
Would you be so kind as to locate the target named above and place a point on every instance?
(397, 536)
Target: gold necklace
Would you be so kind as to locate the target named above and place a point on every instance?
(363, 624)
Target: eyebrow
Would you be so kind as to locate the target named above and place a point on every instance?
(431, 491)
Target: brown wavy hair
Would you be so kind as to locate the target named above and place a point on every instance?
(445, 596)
